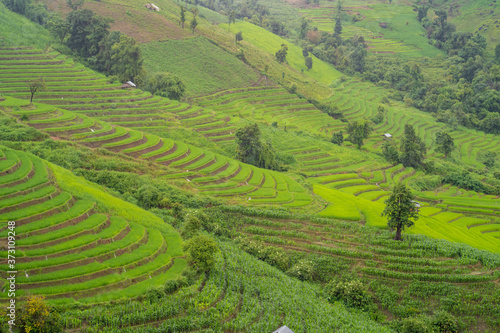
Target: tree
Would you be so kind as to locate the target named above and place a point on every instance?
(18, 6)
(305, 52)
(252, 151)
(201, 252)
(87, 31)
(231, 18)
(412, 148)
(338, 27)
(239, 36)
(37, 317)
(358, 131)
(400, 209)
(183, 16)
(338, 138)
(58, 27)
(309, 63)
(497, 53)
(281, 53)
(127, 59)
(445, 143)
(166, 85)
(390, 152)
(36, 85)
(422, 12)
(75, 4)
(193, 23)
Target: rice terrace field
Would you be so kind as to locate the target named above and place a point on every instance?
(179, 168)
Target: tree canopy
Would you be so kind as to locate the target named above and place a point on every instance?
(358, 131)
(281, 53)
(400, 209)
(412, 148)
(127, 59)
(445, 143)
(165, 85)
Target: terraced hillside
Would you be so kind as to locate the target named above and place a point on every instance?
(241, 294)
(209, 173)
(66, 248)
(418, 273)
(388, 28)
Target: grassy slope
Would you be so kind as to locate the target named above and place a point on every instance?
(204, 67)
(263, 39)
(18, 30)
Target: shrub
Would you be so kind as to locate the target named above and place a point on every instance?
(37, 317)
(445, 322)
(303, 270)
(153, 295)
(352, 293)
(414, 325)
(201, 252)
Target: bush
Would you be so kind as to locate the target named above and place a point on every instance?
(153, 295)
(201, 252)
(303, 270)
(37, 317)
(413, 325)
(352, 293)
(445, 322)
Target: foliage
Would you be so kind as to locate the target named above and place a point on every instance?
(192, 225)
(358, 131)
(412, 148)
(11, 130)
(252, 151)
(193, 24)
(37, 317)
(351, 292)
(281, 53)
(302, 270)
(309, 63)
(127, 59)
(87, 31)
(390, 152)
(445, 322)
(36, 85)
(400, 209)
(165, 85)
(201, 252)
(445, 143)
(58, 27)
(183, 16)
(337, 138)
(338, 26)
(464, 180)
(238, 37)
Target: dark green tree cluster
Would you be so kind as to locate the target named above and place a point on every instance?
(253, 151)
(282, 53)
(468, 96)
(33, 10)
(165, 85)
(411, 150)
(358, 131)
(348, 55)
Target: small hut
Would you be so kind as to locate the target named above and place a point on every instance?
(283, 329)
(417, 205)
(128, 84)
(152, 7)
(387, 136)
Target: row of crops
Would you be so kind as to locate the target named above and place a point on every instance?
(65, 247)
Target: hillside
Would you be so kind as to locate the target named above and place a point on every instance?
(136, 212)
(76, 241)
